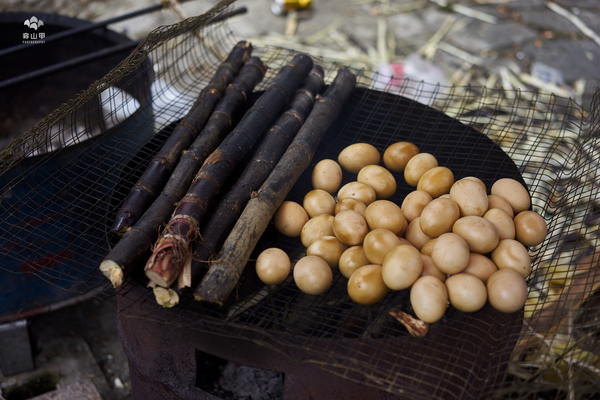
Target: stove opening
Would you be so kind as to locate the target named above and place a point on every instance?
(230, 381)
(35, 386)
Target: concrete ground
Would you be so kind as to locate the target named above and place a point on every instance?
(76, 350)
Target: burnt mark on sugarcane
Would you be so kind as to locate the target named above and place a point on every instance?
(191, 205)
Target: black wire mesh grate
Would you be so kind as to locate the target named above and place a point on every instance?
(58, 201)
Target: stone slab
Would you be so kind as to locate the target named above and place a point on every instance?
(77, 391)
(15, 349)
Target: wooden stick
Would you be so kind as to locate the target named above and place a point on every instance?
(172, 250)
(224, 273)
(223, 217)
(135, 244)
(160, 168)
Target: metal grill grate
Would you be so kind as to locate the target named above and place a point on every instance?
(62, 183)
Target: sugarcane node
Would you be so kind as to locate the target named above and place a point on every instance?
(216, 157)
(191, 204)
(257, 63)
(184, 125)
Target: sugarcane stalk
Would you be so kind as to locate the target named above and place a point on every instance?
(158, 171)
(224, 273)
(135, 244)
(224, 215)
(172, 248)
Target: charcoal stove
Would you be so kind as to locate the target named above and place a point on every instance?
(332, 349)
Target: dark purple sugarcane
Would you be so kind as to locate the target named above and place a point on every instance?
(173, 247)
(160, 168)
(135, 244)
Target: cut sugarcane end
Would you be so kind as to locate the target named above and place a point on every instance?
(113, 272)
(165, 297)
(197, 297)
(185, 276)
(156, 279)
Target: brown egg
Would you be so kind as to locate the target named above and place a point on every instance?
(428, 247)
(417, 166)
(530, 228)
(479, 233)
(470, 197)
(321, 225)
(450, 253)
(502, 221)
(358, 155)
(495, 201)
(438, 217)
(413, 204)
(480, 266)
(401, 267)
(329, 248)
(273, 266)
(312, 275)
(378, 243)
(476, 179)
(403, 229)
(511, 254)
(397, 155)
(507, 291)
(437, 181)
(513, 192)
(380, 179)
(429, 268)
(415, 235)
(429, 299)
(357, 190)
(366, 285)
(350, 227)
(353, 258)
(289, 219)
(404, 241)
(385, 214)
(318, 201)
(327, 175)
(466, 292)
(350, 203)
